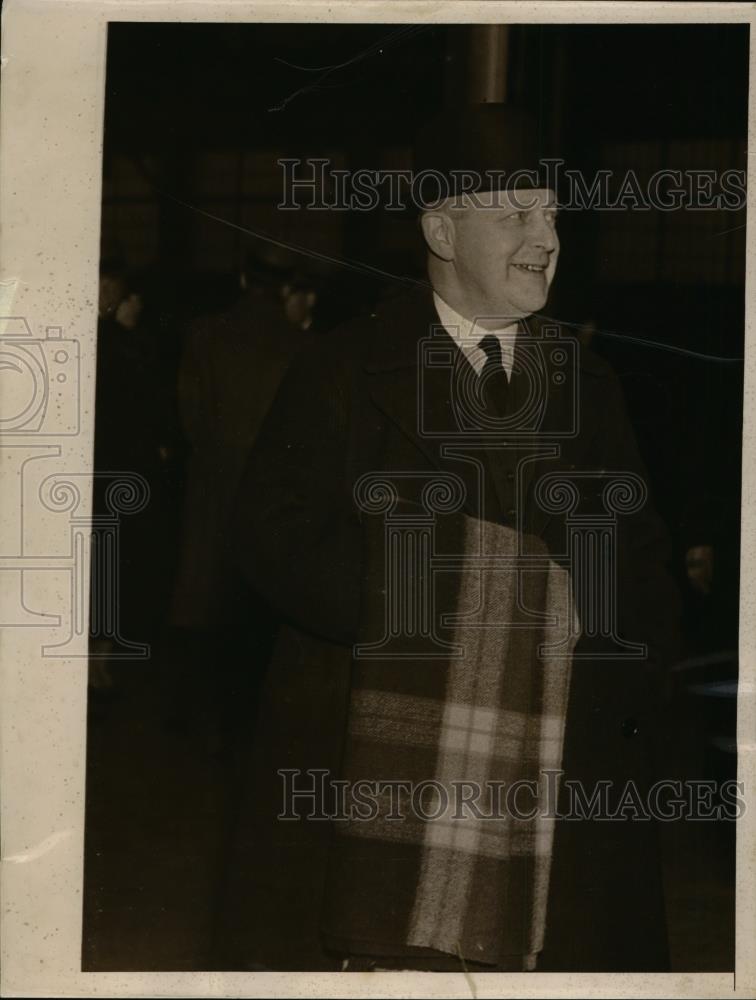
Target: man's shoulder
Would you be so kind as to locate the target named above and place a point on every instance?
(382, 337)
(547, 329)
(387, 337)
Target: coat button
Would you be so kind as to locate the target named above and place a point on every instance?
(629, 728)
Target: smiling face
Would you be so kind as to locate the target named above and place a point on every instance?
(494, 257)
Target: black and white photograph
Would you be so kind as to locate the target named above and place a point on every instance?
(404, 572)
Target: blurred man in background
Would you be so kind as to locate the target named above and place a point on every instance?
(232, 364)
(134, 434)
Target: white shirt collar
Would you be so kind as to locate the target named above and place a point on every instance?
(467, 336)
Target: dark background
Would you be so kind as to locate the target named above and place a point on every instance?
(201, 113)
(196, 117)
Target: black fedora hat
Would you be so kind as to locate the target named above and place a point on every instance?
(478, 148)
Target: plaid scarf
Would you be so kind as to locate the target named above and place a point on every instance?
(480, 697)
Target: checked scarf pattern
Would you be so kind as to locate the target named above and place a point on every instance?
(489, 709)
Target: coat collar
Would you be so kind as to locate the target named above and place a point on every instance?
(401, 322)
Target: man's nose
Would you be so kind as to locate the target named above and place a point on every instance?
(542, 234)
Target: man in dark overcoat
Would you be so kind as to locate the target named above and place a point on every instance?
(376, 409)
(232, 363)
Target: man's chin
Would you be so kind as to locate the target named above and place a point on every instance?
(512, 310)
(526, 307)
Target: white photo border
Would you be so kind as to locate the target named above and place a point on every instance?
(51, 128)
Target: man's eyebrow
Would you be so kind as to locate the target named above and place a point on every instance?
(550, 206)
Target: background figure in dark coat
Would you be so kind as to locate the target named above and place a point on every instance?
(362, 402)
(135, 432)
(221, 631)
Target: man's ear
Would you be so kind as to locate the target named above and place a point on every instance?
(438, 230)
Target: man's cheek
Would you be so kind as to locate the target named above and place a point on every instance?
(552, 266)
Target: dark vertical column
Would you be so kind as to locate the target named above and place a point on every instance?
(175, 223)
(488, 63)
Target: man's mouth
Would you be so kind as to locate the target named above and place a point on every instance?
(536, 268)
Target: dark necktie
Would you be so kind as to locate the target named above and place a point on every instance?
(494, 384)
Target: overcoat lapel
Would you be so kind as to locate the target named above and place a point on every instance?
(534, 396)
(412, 368)
(562, 438)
